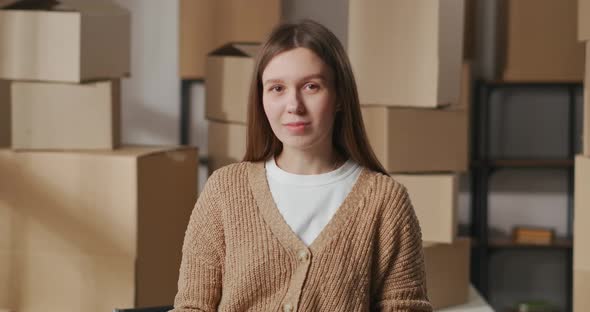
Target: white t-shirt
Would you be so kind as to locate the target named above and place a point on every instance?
(308, 202)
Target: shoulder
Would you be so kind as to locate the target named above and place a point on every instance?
(390, 197)
(229, 171)
(231, 176)
(386, 186)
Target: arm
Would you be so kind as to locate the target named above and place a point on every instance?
(402, 282)
(203, 253)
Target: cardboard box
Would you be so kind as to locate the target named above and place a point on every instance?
(581, 299)
(107, 225)
(537, 41)
(406, 52)
(66, 116)
(227, 144)
(583, 20)
(208, 24)
(5, 124)
(422, 140)
(229, 74)
(582, 213)
(447, 272)
(56, 281)
(434, 197)
(418, 140)
(66, 41)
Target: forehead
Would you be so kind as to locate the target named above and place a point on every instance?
(295, 64)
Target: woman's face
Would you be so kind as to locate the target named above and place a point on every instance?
(299, 99)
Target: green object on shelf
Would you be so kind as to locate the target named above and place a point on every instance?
(534, 306)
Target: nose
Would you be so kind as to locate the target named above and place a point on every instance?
(295, 104)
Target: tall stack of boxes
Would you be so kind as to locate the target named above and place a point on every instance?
(229, 74)
(85, 224)
(218, 43)
(581, 274)
(410, 89)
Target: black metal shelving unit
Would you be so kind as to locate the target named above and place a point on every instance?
(185, 109)
(483, 167)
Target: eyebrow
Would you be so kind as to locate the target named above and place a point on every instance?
(313, 76)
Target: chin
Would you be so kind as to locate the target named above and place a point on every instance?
(297, 142)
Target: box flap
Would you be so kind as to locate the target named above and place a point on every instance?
(102, 7)
(240, 49)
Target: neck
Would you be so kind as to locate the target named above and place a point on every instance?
(307, 163)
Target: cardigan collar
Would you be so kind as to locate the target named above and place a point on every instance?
(278, 225)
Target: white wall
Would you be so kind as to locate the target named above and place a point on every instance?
(151, 96)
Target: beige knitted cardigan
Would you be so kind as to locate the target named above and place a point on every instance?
(239, 254)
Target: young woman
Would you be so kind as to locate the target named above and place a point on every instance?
(310, 220)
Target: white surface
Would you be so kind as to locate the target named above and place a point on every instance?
(476, 304)
(151, 96)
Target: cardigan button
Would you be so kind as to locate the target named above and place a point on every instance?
(288, 307)
(303, 255)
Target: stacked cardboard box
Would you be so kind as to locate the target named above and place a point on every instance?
(581, 266)
(229, 74)
(50, 51)
(524, 55)
(447, 272)
(54, 116)
(106, 227)
(434, 197)
(414, 93)
(207, 24)
(106, 222)
(395, 67)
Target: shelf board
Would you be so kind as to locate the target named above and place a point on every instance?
(504, 242)
(532, 82)
(507, 243)
(527, 163)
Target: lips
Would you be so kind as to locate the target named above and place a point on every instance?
(297, 123)
(297, 127)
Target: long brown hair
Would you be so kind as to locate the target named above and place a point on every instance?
(349, 137)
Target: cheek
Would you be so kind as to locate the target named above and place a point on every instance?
(271, 109)
(324, 107)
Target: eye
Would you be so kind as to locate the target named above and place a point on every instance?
(312, 87)
(276, 89)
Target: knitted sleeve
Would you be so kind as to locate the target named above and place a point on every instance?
(403, 283)
(203, 253)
